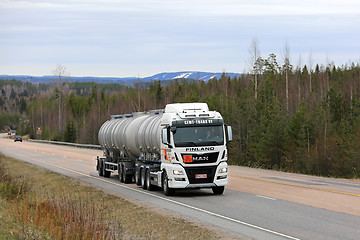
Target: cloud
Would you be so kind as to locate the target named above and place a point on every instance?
(149, 35)
(196, 7)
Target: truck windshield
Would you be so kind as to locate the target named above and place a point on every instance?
(199, 136)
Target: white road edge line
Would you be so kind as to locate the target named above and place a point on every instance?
(175, 202)
(270, 198)
(181, 204)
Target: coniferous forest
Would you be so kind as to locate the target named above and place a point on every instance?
(297, 119)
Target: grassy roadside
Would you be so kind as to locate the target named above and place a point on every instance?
(39, 204)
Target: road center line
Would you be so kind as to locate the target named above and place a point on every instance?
(270, 198)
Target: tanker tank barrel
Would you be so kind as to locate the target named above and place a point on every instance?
(134, 135)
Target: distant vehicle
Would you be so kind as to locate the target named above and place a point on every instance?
(18, 138)
(9, 133)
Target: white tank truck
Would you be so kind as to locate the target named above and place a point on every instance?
(183, 146)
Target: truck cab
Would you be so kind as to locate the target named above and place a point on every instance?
(193, 148)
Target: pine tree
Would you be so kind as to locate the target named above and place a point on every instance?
(70, 132)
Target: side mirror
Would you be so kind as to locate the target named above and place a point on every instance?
(229, 133)
(164, 136)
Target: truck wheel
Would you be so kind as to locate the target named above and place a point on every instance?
(100, 168)
(105, 172)
(218, 190)
(148, 183)
(137, 176)
(167, 190)
(143, 178)
(121, 173)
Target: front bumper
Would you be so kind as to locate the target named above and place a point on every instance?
(197, 177)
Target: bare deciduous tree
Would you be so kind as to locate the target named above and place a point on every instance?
(60, 72)
(287, 67)
(254, 62)
(310, 70)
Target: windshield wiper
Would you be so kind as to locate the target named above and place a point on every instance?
(185, 144)
(204, 143)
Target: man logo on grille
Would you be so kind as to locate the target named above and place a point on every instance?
(201, 158)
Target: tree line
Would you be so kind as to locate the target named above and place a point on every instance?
(297, 119)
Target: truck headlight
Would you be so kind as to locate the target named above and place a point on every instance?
(223, 170)
(178, 172)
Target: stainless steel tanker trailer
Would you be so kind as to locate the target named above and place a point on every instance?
(182, 146)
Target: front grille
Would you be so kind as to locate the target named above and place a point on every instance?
(201, 158)
(191, 173)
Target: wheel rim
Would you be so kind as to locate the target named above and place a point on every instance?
(142, 178)
(165, 184)
(123, 174)
(137, 175)
(148, 178)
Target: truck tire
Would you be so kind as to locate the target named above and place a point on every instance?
(100, 168)
(218, 190)
(149, 187)
(165, 182)
(120, 171)
(137, 176)
(143, 178)
(105, 172)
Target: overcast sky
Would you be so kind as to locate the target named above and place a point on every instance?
(139, 38)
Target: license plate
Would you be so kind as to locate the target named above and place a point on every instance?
(200, 176)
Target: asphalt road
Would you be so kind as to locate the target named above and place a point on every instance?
(257, 204)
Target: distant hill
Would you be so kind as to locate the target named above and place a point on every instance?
(205, 76)
(48, 79)
(166, 76)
